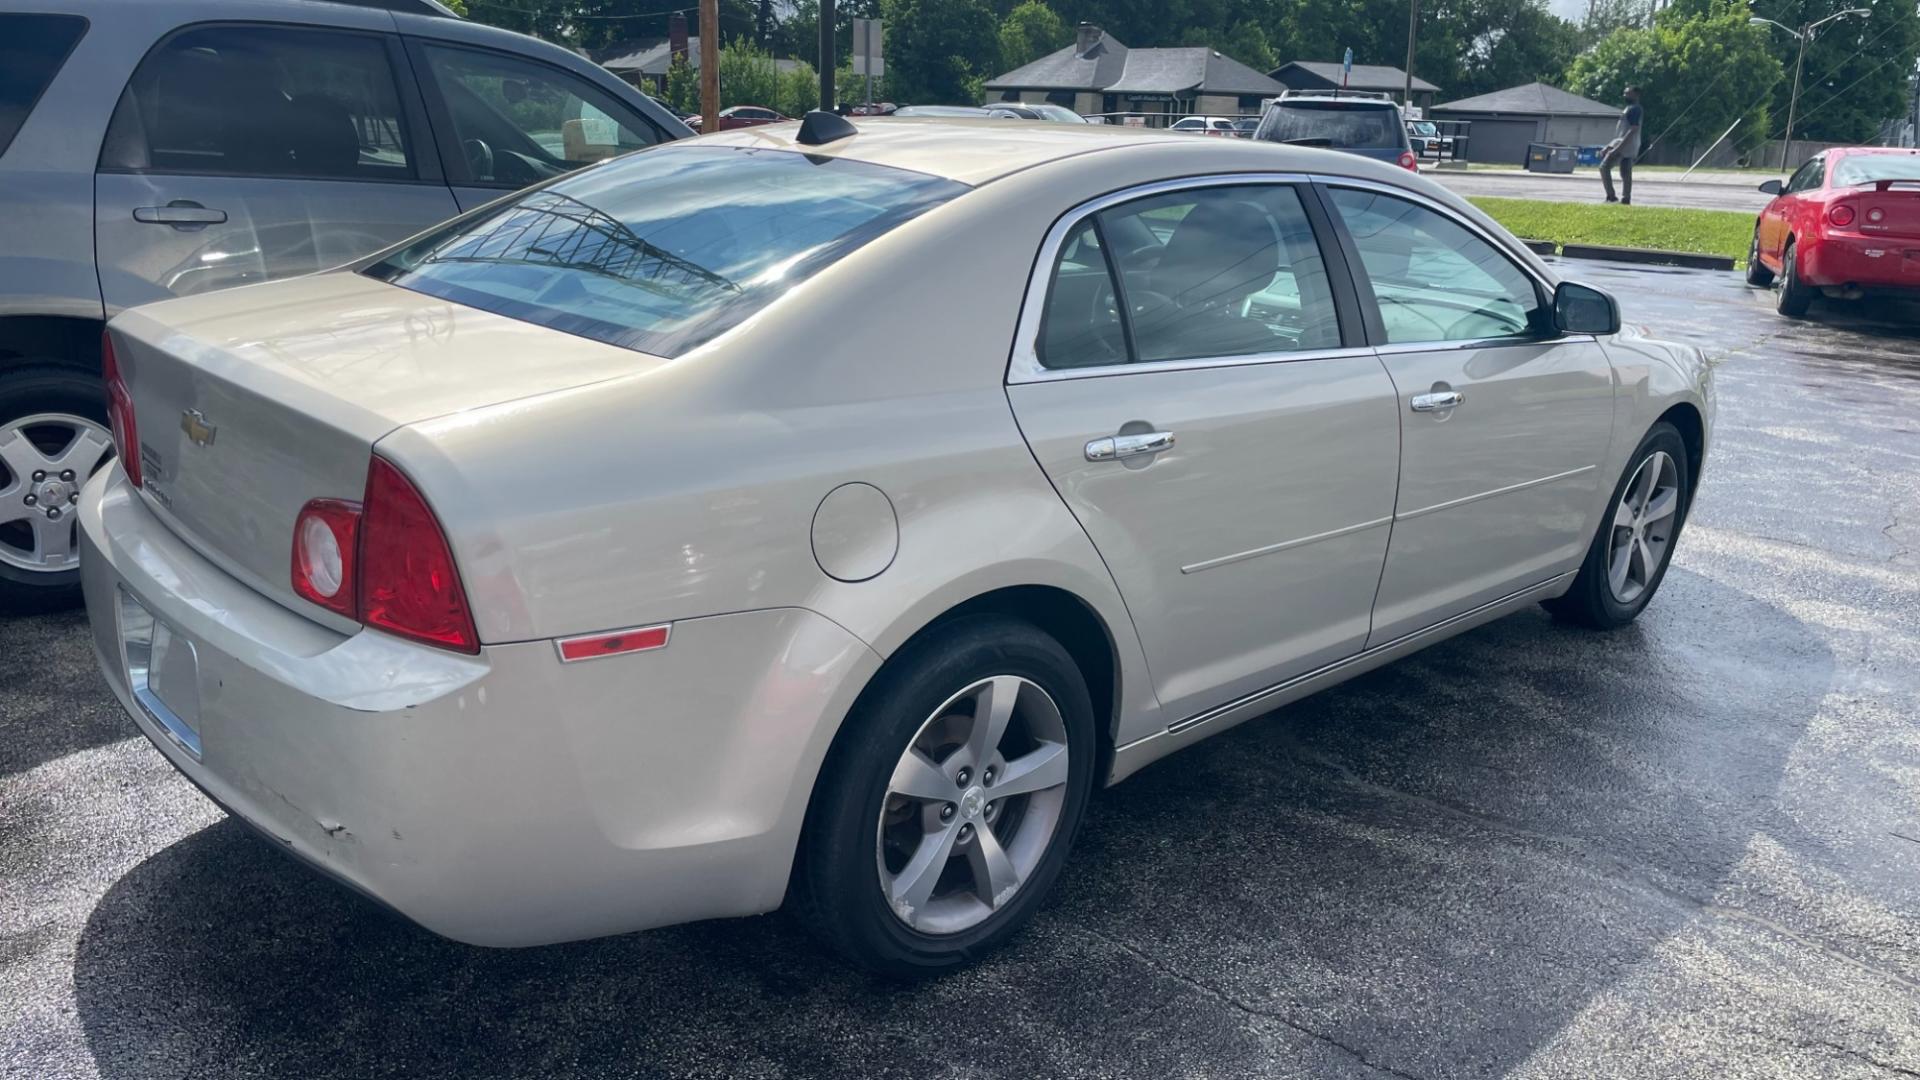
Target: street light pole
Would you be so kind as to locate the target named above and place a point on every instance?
(1413, 26)
(1803, 35)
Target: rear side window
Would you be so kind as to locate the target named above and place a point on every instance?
(260, 101)
(519, 122)
(1204, 273)
(32, 48)
(664, 249)
(1344, 124)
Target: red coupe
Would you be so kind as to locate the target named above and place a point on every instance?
(1845, 225)
(742, 116)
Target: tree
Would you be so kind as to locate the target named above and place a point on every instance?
(683, 86)
(1856, 68)
(799, 90)
(764, 24)
(939, 51)
(1029, 32)
(1696, 73)
(459, 7)
(748, 76)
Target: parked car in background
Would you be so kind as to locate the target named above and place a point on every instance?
(1244, 127)
(740, 116)
(1204, 125)
(1367, 125)
(1059, 114)
(1845, 225)
(861, 632)
(1426, 140)
(994, 111)
(150, 150)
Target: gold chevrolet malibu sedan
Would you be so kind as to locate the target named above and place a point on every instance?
(824, 509)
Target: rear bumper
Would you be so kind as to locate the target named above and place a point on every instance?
(502, 799)
(1872, 264)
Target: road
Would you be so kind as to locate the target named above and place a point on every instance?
(1584, 186)
(1690, 848)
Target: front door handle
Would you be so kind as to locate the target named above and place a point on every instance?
(1126, 446)
(179, 212)
(1440, 401)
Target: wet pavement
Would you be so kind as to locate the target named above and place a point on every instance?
(1687, 848)
(1649, 188)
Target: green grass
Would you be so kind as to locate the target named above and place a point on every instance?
(1709, 232)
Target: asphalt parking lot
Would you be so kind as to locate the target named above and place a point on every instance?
(1690, 848)
(1650, 188)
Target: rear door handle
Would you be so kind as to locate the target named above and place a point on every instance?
(1437, 402)
(1125, 446)
(179, 212)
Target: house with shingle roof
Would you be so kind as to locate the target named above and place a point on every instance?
(1098, 74)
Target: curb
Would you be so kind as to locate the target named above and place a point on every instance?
(1540, 247)
(1647, 256)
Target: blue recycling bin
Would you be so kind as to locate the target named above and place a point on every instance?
(1590, 156)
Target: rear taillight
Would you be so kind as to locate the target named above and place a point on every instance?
(1841, 215)
(408, 584)
(1408, 161)
(326, 554)
(384, 562)
(126, 438)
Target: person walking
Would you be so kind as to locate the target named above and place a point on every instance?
(1623, 149)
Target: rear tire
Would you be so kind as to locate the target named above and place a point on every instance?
(1617, 580)
(854, 875)
(1758, 275)
(1795, 296)
(56, 397)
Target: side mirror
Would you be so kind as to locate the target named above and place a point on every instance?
(1583, 309)
(1772, 187)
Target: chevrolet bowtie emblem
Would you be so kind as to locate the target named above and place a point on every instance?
(194, 423)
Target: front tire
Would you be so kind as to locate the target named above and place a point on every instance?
(1795, 295)
(1634, 544)
(53, 437)
(1758, 275)
(947, 806)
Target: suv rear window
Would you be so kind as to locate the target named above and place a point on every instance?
(1348, 125)
(32, 48)
(666, 248)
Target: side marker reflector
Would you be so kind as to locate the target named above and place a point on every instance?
(613, 643)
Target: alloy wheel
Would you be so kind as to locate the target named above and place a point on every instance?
(44, 460)
(1643, 527)
(972, 805)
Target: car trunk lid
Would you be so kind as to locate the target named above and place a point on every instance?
(1889, 208)
(250, 402)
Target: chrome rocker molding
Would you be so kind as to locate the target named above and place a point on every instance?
(1135, 755)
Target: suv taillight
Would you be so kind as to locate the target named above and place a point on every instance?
(1408, 161)
(126, 437)
(384, 562)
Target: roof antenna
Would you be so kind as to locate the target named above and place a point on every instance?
(818, 128)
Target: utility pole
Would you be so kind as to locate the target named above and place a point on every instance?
(1413, 28)
(709, 66)
(1804, 35)
(826, 54)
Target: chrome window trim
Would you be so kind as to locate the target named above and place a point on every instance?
(1025, 366)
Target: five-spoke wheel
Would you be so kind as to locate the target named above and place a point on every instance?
(1628, 556)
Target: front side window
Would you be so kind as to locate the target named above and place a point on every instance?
(1809, 176)
(1434, 279)
(520, 122)
(666, 249)
(262, 101)
(32, 50)
(1204, 273)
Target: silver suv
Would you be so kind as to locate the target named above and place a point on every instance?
(150, 150)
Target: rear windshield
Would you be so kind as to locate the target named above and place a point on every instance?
(1345, 124)
(1861, 169)
(663, 249)
(32, 48)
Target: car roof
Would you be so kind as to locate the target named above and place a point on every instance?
(978, 151)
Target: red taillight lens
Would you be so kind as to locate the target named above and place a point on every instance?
(1408, 161)
(408, 584)
(1841, 215)
(325, 553)
(126, 438)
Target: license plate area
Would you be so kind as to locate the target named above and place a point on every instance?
(163, 671)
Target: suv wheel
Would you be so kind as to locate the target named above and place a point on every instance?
(946, 810)
(53, 437)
